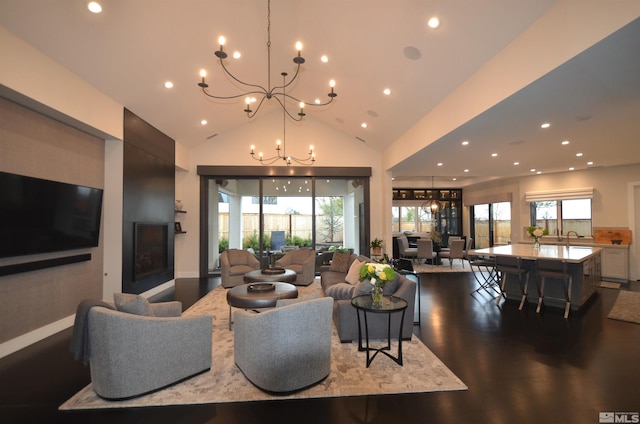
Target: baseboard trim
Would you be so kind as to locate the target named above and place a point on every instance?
(20, 342)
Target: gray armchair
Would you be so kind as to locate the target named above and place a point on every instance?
(286, 348)
(131, 355)
(303, 262)
(234, 263)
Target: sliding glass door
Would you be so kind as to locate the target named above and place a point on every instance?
(271, 215)
(491, 224)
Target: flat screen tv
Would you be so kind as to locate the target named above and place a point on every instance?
(39, 216)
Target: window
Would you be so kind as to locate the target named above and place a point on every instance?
(561, 216)
(410, 218)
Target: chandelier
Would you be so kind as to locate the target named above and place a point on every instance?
(432, 205)
(266, 93)
(281, 147)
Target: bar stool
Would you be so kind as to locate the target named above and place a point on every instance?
(508, 265)
(554, 270)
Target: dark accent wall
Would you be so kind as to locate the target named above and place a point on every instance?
(148, 195)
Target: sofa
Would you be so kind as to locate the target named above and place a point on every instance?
(339, 283)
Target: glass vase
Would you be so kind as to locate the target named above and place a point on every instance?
(536, 243)
(376, 296)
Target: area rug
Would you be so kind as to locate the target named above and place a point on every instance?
(422, 371)
(627, 307)
(609, 285)
(427, 269)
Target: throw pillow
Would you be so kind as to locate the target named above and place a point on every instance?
(353, 276)
(132, 304)
(390, 287)
(340, 291)
(363, 287)
(340, 262)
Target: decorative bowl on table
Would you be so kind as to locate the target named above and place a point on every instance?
(273, 271)
(261, 287)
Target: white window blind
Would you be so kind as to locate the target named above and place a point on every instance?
(560, 194)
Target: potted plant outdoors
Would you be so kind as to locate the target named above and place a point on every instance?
(376, 246)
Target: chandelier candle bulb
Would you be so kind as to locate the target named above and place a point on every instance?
(203, 74)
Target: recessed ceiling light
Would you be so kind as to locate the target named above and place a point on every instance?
(237, 55)
(545, 125)
(466, 170)
(454, 179)
(168, 84)
(578, 154)
(386, 91)
(571, 168)
(516, 163)
(565, 142)
(363, 125)
(94, 7)
(324, 58)
(589, 163)
(439, 163)
(433, 22)
(539, 172)
(465, 143)
(203, 122)
(494, 155)
(533, 170)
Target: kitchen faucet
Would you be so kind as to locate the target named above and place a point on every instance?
(568, 234)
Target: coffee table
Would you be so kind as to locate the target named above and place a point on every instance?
(389, 305)
(259, 295)
(263, 275)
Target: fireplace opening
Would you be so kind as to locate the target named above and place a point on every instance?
(151, 249)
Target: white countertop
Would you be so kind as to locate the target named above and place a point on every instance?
(575, 254)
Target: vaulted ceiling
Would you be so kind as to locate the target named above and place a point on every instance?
(133, 47)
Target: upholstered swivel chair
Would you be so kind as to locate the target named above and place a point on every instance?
(234, 263)
(403, 248)
(425, 251)
(302, 261)
(287, 348)
(456, 251)
(131, 355)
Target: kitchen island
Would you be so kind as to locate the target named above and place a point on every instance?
(583, 264)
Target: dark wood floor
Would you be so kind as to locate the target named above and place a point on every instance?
(520, 367)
